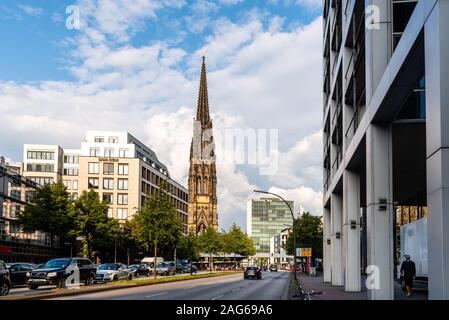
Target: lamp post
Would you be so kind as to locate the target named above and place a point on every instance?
(293, 227)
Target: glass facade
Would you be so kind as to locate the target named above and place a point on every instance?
(268, 217)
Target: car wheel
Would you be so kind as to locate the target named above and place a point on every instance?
(130, 277)
(61, 283)
(115, 278)
(90, 281)
(33, 286)
(4, 288)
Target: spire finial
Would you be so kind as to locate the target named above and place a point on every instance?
(202, 112)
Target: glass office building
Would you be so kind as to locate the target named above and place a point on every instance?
(267, 217)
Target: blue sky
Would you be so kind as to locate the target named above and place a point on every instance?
(134, 65)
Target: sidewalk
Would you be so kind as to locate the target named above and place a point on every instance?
(329, 292)
(338, 293)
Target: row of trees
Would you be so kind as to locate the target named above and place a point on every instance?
(155, 226)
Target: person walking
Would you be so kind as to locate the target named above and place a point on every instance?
(408, 272)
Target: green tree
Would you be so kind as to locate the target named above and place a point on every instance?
(189, 248)
(212, 243)
(309, 234)
(157, 223)
(50, 210)
(92, 221)
(238, 242)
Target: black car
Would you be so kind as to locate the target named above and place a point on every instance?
(5, 282)
(140, 270)
(252, 272)
(57, 271)
(190, 268)
(18, 272)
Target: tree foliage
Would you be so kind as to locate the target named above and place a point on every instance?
(157, 223)
(309, 234)
(50, 210)
(236, 241)
(211, 242)
(92, 221)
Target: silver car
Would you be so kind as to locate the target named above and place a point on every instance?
(166, 268)
(113, 272)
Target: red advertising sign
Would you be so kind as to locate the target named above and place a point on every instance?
(5, 249)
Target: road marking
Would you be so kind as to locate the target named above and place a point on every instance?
(236, 289)
(155, 295)
(218, 297)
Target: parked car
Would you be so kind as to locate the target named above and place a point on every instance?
(5, 282)
(179, 268)
(273, 268)
(18, 272)
(113, 272)
(139, 270)
(166, 268)
(252, 272)
(188, 267)
(57, 271)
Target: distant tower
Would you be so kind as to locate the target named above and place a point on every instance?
(202, 174)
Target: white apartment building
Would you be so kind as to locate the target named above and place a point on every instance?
(386, 138)
(114, 163)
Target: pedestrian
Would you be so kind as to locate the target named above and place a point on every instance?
(408, 272)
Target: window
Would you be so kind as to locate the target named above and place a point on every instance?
(14, 227)
(108, 183)
(67, 184)
(75, 185)
(113, 139)
(94, 152)
(123, 184)
(40, 167)
(41, 155)
(205, 185)
(70, 172)
(42, 180)
(108, 168)
(122, 153)
(108, 152)
(93, 183)
(71, 158)
(122, 213)
(122, 198)
(122, 169)
(108, 198)
(110, 213)
(99, 139)
(94, 167)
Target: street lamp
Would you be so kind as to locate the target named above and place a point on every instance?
(293, 227)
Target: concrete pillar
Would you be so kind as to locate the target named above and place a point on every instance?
(437, 101)
(327, 277)
(379, 217)
(336, 240)
(378, 43)
(351, 231)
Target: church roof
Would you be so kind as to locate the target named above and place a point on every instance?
(202, 111)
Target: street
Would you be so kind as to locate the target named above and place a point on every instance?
(272, 286)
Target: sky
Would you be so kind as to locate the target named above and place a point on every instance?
(134, 65)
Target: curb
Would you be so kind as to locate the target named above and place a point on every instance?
(107, 287)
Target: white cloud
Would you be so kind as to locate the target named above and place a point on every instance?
(305, 199)
(32, 11)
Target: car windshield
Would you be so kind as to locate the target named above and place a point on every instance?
(108, 267)
(57, 263)
(134, 266)
(161, 265)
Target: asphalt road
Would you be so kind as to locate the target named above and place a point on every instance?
(272, 286)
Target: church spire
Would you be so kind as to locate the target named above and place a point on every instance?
(202, 111)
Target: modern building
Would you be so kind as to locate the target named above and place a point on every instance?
(386, 138)
(278, 255)
(265, 218)
(203, 171)
(15, 245)
(114, 163)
